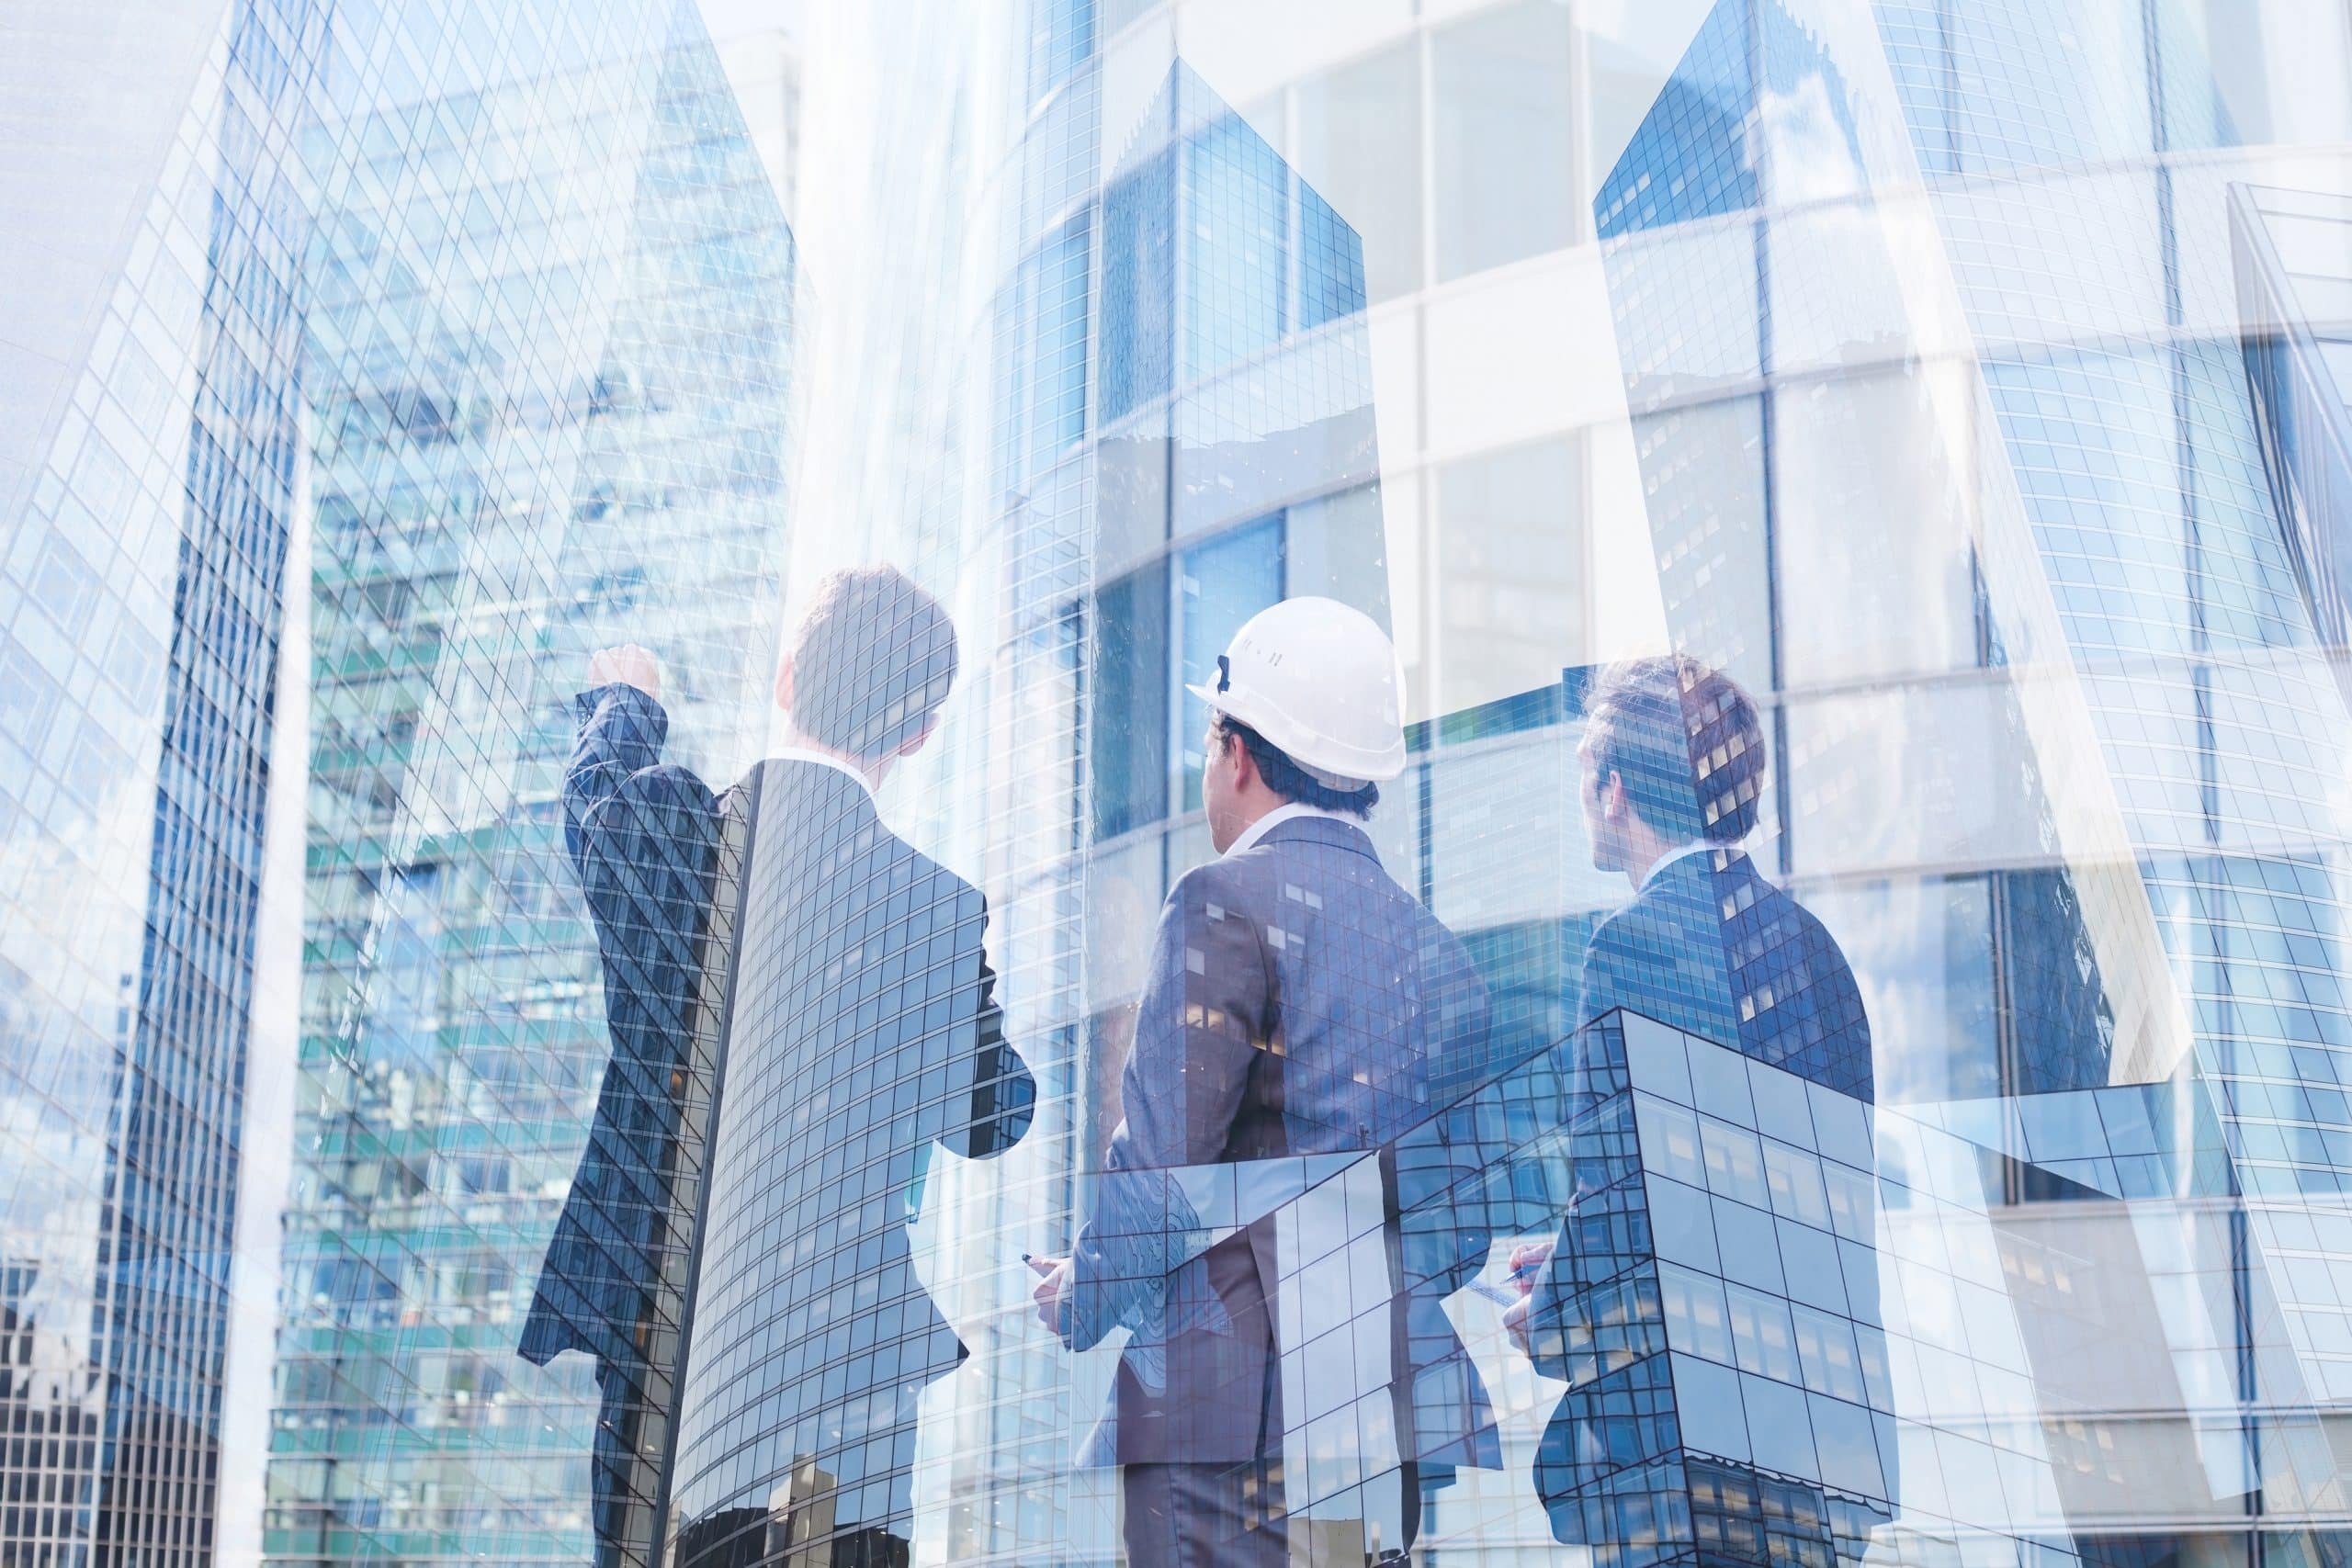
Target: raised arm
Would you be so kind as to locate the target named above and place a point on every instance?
(641, 835)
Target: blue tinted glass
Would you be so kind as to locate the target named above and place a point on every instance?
(1219, 585)
(609, 951)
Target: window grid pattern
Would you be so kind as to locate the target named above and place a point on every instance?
(2136, 451)
(144, 580)
(549, 328)
(2141, 476)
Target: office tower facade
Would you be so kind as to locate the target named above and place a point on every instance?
(1176, 430)
(1949, 789)
(2053, 564)
(155, 464)
(1941, 792)
(1962, 378)
(549, 340)
(2291, 263)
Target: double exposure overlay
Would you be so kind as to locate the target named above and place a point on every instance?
(1172, 782)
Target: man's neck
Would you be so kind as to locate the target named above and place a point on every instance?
(1646, 856)
(873, 772)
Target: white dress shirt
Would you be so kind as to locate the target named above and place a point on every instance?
(1285, 813)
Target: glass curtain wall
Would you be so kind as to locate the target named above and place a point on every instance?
(682, 881)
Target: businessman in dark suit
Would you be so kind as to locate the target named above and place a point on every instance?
(1298, 1002)
(862, 1029)
(646, 843)
(1673, 763)
(1674, 759)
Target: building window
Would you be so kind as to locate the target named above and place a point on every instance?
(1127, 737)
(1221, 583)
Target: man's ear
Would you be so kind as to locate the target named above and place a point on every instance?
(783, 685)
(1613, 801)
(1245, 766)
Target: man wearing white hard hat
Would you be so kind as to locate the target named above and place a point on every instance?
(1299, 1015)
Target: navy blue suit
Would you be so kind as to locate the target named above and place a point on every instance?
(862, 1027)
(1298, 1002)
(644, 841)
(1716, 950)
(1722, 954)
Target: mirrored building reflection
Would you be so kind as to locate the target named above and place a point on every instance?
(549, 336)
(152, 494)
(486, 1076)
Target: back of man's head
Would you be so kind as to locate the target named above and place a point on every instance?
(1288, 778)
(1685, 740)
(872, 661)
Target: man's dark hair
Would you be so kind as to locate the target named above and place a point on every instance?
(871, 662)
(1287, 779)
(1685, 740)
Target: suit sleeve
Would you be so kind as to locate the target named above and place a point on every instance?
(643, 838)
(1199, 1029)
(642, 842)
(1003, 1094)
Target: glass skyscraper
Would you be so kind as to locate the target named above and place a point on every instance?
(155, 461)
(601, 782)
(548, 353)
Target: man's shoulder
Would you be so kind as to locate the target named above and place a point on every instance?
(1783, 932)
(1230, 899)
(1299, 854)
(897, 871)
(1227, 881)
(842, 844)
(1680, 895)
(1284, 874)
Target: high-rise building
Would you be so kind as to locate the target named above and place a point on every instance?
(1781, 363)
(1838, 512)
(1961, 1180)
(154, 464)
(2293, 255)
(550, 338)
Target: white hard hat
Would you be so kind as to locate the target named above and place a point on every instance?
(1321, 682)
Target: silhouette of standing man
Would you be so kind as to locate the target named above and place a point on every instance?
(1298, 1002)
(1673, 763)
(862, 1028)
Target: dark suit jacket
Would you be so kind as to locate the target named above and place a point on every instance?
(862, 1027)
(1298, 1002)
(1722, 954)
(644, 841)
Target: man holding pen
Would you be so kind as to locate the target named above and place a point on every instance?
(1298, 1002)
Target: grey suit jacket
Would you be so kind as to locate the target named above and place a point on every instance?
(1298, 1002)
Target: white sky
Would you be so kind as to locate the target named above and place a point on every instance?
(733, 18)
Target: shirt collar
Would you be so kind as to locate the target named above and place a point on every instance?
(1657, 869)
(1289, 810)
(803, 754)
